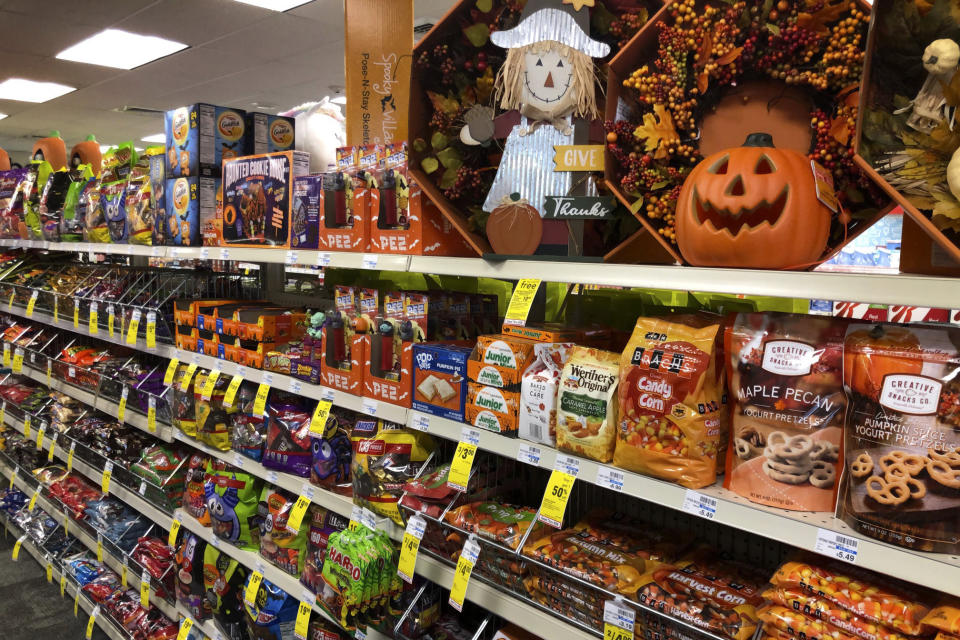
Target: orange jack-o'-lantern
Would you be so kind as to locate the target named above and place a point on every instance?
(52, 149)
(753, 206)
(871, 354)
(514, 227)
(87, 152)
(4, 161)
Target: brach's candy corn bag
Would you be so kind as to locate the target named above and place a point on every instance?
(232, 497)
(788, 408)
(902, 449)
(273, 613)
(821, 608)
(282, 547)
(945, 618)
(223, 579)
(384, 459)
(670, 398)
(880, 599)
(587, 404)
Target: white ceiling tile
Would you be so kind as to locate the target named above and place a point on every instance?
(192, 21)
(99, 13)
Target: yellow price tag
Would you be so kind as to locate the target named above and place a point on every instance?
(613, 632)
(554, 503)
(6, 355)
(302, 626)
(16, 548)
(33, 500)
(172, 537)
(10, 301)
(122, 405)
(410, 547)
(207, 392)
(461, 577)
(462, 463)
(260, 402)
(49, 573)
(27, 421)
(318, 423)
(32, 302)
(521, 301)
(40, 433)
(111, 319)
(151, 330)
(231, 393)
(185, 626)
(76, 603)
(188, 376)
(171, 371)
(92, 323)
(105, 478)
(17, 360)
(134, 327)
(73, 446)
(56, 309)
(99, 548)
(63, 585)
(49, 372)
(66, 524)
(124, 570)
(618, 620)
(76, 314)
(152, 414)
(3, 413)
(295, 519)
(253, 586)
(145, 590)
(53, 448)
(92, 621)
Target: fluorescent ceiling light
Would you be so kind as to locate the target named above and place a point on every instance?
(339, 100)
(2, 116)
(275, 5)
(157, 137)
(120, 49)
(31, 90)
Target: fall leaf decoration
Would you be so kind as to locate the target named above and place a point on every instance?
(658, 131)
(819, 20)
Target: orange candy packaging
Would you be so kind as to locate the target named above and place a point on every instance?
(671, 385)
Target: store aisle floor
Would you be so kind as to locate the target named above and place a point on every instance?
(30, 607)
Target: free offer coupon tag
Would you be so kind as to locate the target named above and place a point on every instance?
(521, 301)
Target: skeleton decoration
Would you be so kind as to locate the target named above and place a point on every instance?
(930, 108)
(549, 77)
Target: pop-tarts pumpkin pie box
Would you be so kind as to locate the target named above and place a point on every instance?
(200, 137)
(440, 379)
(267, 133)
(257, 194)
(191, 207)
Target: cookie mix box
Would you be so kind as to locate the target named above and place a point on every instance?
(191, 205)
(499, 360)
(440, 379)
(257, 197)
(305, 212)
(267, 133)
(200, 137)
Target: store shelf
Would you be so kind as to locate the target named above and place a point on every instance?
(896, 289)
(800, 529)
(207, 627)
(78, 532)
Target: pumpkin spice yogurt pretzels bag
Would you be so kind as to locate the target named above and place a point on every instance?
(671, 387)
(787, 409)
(902, 479)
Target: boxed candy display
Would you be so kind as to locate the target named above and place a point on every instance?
(200, 137)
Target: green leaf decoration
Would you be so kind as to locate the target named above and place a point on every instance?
(439, 141)
(477, 34)
(773, 29)
(484, 6)
(450, 158)
(429, 165)
(449, 178)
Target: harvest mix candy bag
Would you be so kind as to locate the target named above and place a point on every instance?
(788, 409)
(671, 385)
(902, 452)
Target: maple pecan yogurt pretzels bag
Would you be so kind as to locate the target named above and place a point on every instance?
(902, 452)
(787, 402)
(671, 387)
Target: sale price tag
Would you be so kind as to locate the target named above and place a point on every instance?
(700, 505)
(76, 313)
(185, 626)
(18, 360)
(3, 413)
(105, 478)
(253, 585)
(27, 422)
(172, 536)
(554, 503)
(111, 319)
(92, 621)
(462, 463)
(521, 301)
(295, 519)
(151, 330)
(73, 447)
(188, 376)
(318, 423)
(152, 414)
(837, 545)
(302, 625)
(416, 526)
(100, 548)
(260, 401)
(42, 431)
(207, 392)
(145, 589)
(56, 309)
(32, 302)
(49, 371)
(171, 371)
(124, 570)
(92, 324)
(134, 327)
(6, 355)
(63, 584)
(618, 621)
(49, 569)
(53, 448)
(122, 405)
(461, 577)
(231, 392)
(16, 547)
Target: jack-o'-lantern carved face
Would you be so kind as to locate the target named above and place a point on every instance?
(752, 206)
(548, 79)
